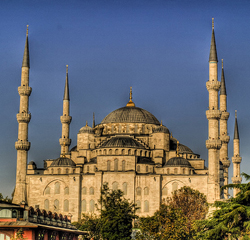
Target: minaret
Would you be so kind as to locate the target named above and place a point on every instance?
(213, 143)
(23, 118)
(236, 159)
(65, 120)
(223, 130)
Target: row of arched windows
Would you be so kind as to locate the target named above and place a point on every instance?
(139, 168)
(56, 205)
(56, 189)
(91, 205)
(139, 191)
(60, 171)
(91, 191)
(165, 191)
(145, 207)
(116, 165)
(181, 171)
(131, 152)
(115, 186)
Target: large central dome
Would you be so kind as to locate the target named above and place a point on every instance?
(130, 114)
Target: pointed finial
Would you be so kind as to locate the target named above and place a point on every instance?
(212, 23)
(161, 122)
(222, 63)
(67, 66)
(66, 89)
(130, 103)
(236, 130)
(177, 149)
(86, 123)
(27, 30)
(235, 113)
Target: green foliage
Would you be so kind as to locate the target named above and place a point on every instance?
(231, 219)
(19, 235)
(6, 199)
(115, 219)
(175, 220)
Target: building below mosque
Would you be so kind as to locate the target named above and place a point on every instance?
(130, 150)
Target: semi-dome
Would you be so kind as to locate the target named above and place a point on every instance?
(177, 162)
(86, 129)
(62, 161)
(161, 129)
(130, 114)
(122, 142)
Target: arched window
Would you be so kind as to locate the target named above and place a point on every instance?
(146, 206)
(174, 186)
(183, 170)
(123, 151)
(116, 151)
(59, 171)
(92, 205)
(84, 191)
(168, 171)
(74, 170)
(129, 152)
(138, 191)
(46, 204)
(138, 205)
(116, 165)
(138, 168)
(146, 191)
(87, 169)
(104, 152)
(123, 165)
(67, 171)
(47, 190)
(141, 153)
(66, 205)
(66, 191)
(52, 171)
(175, 171)
(84, 209)
(124, 188)
(115, 185)
(91, 191)
(135, 152)
(146, 168)
(108, 165)
(165, 191)
(57, 188)
(110, 151)
(56, 205)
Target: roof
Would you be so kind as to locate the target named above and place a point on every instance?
(161, 129)
(62, 161)
(213, 51)
(223, 90)
(86, 129)
(130, 115)
(122, 142)
(144, 160)
(177, 161)
(182, 148)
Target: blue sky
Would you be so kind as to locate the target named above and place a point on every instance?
(160, 48)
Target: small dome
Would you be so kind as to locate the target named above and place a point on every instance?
(122, 142)
(31, 163)
(161, 129)
(86, 129)
(62, 161)
(130, 115)
(177, 161)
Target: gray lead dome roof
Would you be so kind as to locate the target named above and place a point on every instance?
(177, 161)
(62, 161)
(122, 142)
(130, 115)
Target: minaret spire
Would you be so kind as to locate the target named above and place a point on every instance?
(213, 143)
(130, 103)
(213, 52)
(65, 141)
(22, 144)
(223, 130)
(236, 159)
(93, 124)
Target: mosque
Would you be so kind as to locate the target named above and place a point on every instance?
(130, 150)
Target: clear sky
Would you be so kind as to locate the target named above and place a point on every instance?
(159, 47)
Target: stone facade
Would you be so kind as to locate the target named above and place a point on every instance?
(130, 150)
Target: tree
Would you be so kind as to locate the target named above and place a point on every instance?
(175, 219)
(115, 219)
(231, 219)
(6, 199)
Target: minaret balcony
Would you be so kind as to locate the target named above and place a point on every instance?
(22, 145)
(236, 159)
(66, 119)
(23, 117)
(224, 138)
(213, 85)
(213, 144)
(24, 90)
(226, 163)
(213, 114)
(65, 141)
(236, 180)
(224, 115)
